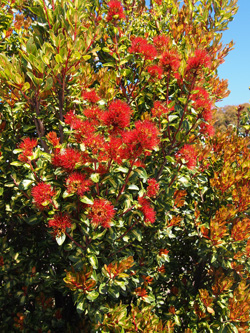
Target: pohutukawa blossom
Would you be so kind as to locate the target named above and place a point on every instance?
(68, 159)
(43, 195)
(77, 183)
(200, 59)
(147, 210)
(188, 153)
(93, 114)
(113, 150)
(140, 45)
(159, 109)
(27, 145)
(95, 143)
(118, 116)
(153, 188)
(170, 61)
(207, 129)
(161, 43)
(53, 139)
(142, 139)
(101, 213)
(91, 96)
(82, 129)
(70, 117)
(60, 223)
(155, 71)
(115, 11)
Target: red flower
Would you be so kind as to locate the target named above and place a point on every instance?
(148, 51)
(153, 188)
(102, 212)
(188, 153)
(70, 117)
(115, 10)
(68, 159)
(144, 138)
(93, 114)
(43, 195)
(95, 143)
(118, 116)
(155, 71)
(159, 109)
(90, 96)
(147, 210)
(82, 129)
(200, 59)
(136, 45)
(140, 45)
(207, 129)
(161, 43)
(27, 145)
(113, 150)
(59, 223)
(77, 183)
(170, 61)
(53, 139)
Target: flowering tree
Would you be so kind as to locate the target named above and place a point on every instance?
(119, 212)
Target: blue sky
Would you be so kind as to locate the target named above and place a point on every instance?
(236, 67)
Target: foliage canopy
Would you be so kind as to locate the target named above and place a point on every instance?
(120, 211)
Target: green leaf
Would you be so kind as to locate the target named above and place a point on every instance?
(92, 295)
(93, 261)
(87, 200)
(60, 239)
(16, 163)
(25, 184)
(95, 177)
(133, 187)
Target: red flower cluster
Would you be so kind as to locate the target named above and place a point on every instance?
(27, 145)
(161, 43)
(202, 103)
(113, 150)
(52, 138)
(60, 223)
(207, 129)
(70, 117)
(101, 213)
(200, 59)
(188, 153)
(43, 195)
(159, 109)
(82, 129)
(68, 159)
(90, 96)
(93, 115)
(144, 138)
(115, 11)
(140, 45)
(155, 71)
(77, 183)
(117, 117)
(159, 2)
(147, 210)
(153, 188)
(170, 61)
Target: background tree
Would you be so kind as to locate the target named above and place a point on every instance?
(117, 212)
(230, 115)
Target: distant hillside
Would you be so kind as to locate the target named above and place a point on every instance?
(227, 115)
